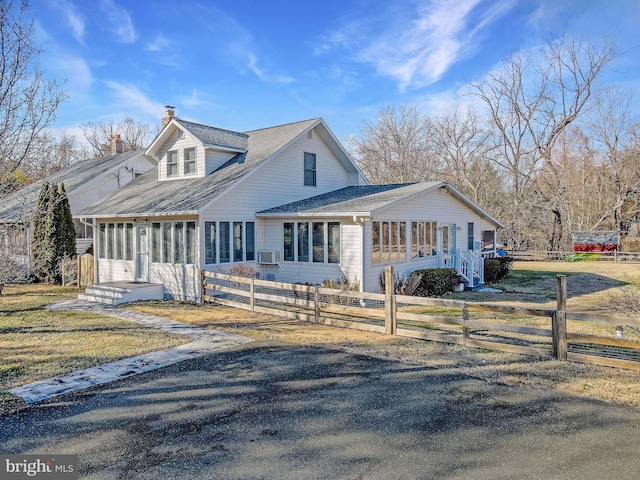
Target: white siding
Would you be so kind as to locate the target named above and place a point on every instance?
(436, 206)
(173, 143)
(215, 158)
(271, 231)
(181, 282)
(281, 181)
(102, 186)
(115, 271)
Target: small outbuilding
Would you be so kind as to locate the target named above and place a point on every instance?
(595, 241)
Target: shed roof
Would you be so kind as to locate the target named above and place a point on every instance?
(366, 200)
(594, 237)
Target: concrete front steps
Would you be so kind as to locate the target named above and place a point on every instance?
(115, 293)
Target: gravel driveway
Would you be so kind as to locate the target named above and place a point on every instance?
(278, 411)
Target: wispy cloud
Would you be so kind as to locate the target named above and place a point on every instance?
(76, 20)
(159, 44)
(133, 101)
(266, 76)
(417, 47)
(118, 21)
(231, 40)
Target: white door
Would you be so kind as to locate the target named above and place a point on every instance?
(142, 253)
(449, 245)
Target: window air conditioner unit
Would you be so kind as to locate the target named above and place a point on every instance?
(269, 257)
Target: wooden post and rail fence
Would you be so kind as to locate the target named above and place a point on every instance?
(552, 333)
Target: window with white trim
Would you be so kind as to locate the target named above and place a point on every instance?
(310, 169)
(316, 242)
(388, 242)
(190, 161)
(172, 163)
(227, 242)
(115, 241)
(174, 242)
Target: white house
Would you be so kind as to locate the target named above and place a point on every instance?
(288, 200)
(85, 183)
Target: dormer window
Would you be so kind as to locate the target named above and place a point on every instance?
(189, 161)
(172, 163)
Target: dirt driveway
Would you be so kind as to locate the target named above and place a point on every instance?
(272, 410)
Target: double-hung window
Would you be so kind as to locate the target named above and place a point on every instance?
(172, 163)
(310, 169)
(189, 161)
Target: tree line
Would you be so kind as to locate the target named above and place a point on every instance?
(543, 144)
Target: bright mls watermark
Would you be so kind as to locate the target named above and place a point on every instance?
(50, 467)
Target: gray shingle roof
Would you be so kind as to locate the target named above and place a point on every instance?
(21, 204)
(215, 136)
(354, 200)
(146, 196)
(594, 237)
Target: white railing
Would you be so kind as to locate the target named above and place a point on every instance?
(471, 267)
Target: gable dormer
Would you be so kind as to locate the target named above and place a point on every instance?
(190, 150)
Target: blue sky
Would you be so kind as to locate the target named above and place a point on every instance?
(243, 64)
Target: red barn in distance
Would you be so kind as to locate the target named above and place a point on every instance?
(595, 241)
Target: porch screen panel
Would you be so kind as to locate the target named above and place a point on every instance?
(191, 243)
(110, 234)
(237, 242)
(375, 243)
(288, 242)
(303, 242)
(421, 239)
(403, 241)
(210, 242)
(434, 236)
(394, 241)
(385, 242)
(414, 239)
(250, 250)
(120, 241)
(225, 241)
(156, 243)
(318, 242)
(166, 242)
(333, 253)
(102, 240)
(128, 243)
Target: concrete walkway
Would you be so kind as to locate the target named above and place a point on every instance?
(204, 341)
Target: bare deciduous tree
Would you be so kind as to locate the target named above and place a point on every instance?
(531, 102)
(615, 132)
(394, 149)
(134, 135)
(28, 100)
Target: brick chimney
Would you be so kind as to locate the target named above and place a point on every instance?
(168, 115)
(116, 145)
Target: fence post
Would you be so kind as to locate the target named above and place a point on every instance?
(62, 263)
(316, 303)
(559, 321)
(465, 318)
(390, 323)
(252, 296)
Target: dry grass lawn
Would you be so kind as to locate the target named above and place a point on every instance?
(36, 343)
(590, 284)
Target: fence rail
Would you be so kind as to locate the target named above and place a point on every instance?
(552, 333)
(544, 255)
